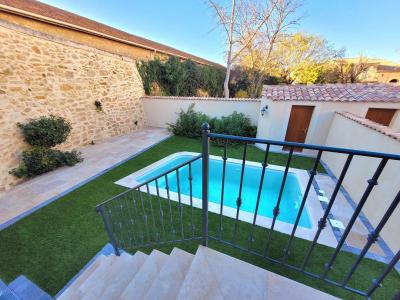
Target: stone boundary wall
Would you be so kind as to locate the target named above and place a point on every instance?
(348, 133)
(161, 110)
(42, 75)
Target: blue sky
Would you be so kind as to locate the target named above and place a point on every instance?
(367, 27)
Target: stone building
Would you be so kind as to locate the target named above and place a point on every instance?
(56, 62)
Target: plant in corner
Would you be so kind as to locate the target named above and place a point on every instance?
(43, 134)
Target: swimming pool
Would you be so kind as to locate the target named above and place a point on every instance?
(291, 197)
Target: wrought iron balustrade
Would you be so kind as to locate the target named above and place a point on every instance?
(147, 216)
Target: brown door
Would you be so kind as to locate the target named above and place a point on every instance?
(299, 120)
(381, 115)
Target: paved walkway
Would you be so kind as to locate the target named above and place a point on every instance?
(35, 193)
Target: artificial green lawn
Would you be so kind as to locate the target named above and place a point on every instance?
(53, 244)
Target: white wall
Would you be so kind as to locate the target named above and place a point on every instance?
(274, 123)
(350, 134)
(162, 110)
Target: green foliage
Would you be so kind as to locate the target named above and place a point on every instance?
(180, 78)
(46, 131)
(241, 94)
(307, 73)
(39, 160)
(189, 124)
(43, 134)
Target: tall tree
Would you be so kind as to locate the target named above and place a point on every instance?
(251, 23)
(298, 57)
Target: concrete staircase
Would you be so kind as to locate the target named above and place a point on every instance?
(207, 275)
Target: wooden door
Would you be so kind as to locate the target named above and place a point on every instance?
(297, 129)
(381, 115)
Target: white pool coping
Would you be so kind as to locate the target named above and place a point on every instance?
(314, 209)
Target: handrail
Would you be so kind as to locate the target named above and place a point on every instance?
(306, 146)
(151, 179)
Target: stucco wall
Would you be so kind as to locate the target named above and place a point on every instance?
(162, 110)
(273, 124)
(349, 134)
(42, 75)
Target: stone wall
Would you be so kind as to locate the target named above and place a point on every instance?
(42, 75)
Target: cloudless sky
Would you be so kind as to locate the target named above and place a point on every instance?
(367, 27)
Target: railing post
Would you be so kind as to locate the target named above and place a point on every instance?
(205, 167)
(107, 225)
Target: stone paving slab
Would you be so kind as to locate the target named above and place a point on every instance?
(30, 195)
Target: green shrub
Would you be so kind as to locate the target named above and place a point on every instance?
(189, 124)
(180, 78)
(71, 158)
(43, 134)
(39, 160)
(46, 131)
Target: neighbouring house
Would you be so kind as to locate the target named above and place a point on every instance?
(379, 70)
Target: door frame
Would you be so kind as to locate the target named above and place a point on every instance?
(312, 108)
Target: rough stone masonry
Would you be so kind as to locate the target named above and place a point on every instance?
(42, 75)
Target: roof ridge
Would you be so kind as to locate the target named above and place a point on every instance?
(350, 92)
(63, 17)
(394, 134)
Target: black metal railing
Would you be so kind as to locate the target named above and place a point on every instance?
(139, 217)
(144, 217)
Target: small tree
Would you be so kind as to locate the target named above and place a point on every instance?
(349, 72)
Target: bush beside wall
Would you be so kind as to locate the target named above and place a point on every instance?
(43, 134)
(189, 124)
(181, 78)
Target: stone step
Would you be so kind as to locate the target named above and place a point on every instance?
(171, 276)
(139, 285)
(95, 279)
(125, 274)
(214, 275)
(94, 287)
(25, 289)
(72, 292)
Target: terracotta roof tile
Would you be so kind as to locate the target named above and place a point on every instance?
(357, 92)
(51, 12)
(371, 124)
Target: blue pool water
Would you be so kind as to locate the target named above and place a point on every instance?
(291, 197)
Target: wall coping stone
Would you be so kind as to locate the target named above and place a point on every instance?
(372, 125)
(201, 98)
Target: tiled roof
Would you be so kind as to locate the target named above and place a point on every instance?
(383, 68)
(371, 124)
(356, 92)
(47, 13)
